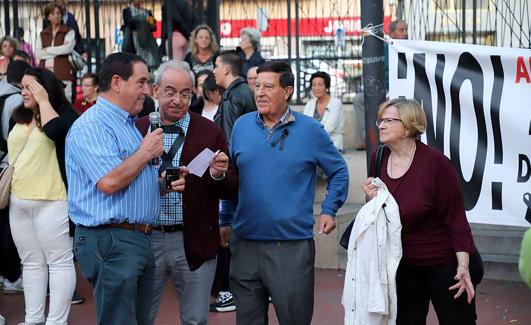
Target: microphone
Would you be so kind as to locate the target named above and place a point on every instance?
(154, 122)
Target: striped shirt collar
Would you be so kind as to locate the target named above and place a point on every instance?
(114, 109)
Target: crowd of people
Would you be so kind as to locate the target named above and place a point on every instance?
(97, 180)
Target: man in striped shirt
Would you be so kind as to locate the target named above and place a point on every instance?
(113, 196)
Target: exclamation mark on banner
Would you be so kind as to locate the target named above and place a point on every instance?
(497, 88)
(527, 201)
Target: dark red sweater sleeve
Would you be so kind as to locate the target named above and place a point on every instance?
(451, 207)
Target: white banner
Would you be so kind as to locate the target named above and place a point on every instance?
(478, 103)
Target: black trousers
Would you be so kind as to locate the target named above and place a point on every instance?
(221, 279)
(416, 286)
(10, 267)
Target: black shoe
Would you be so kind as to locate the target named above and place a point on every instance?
(77, 299)
(224, 303)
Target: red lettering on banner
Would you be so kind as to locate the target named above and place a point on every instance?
(521, 70)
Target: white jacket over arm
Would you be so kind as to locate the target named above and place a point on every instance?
(374, 252)
(333, 119)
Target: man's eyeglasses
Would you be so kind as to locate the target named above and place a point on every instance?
(184, 95)
(388, 121)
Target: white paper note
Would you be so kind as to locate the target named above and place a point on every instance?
(200, 163)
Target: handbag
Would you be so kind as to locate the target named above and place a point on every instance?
(6, 176)
(346, 235)
(76, 60)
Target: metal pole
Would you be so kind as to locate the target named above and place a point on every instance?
(97, 32)
(169, 29)
(289, 40)
(88, 40)
(7, 22)
(297, 49)
(400, 10)
(474, 21)
(212, 16)
(463, 37)
(373, 71)
(15, 17)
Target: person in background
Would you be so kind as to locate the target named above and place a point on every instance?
(90, 84)
(69, 20)
(440, 262)
(326, 109)
(54, 45)
(25, 46)
(251, 77)
(38, 211)
(250, 49)
(139, 23)
(8, 46)
(397, 30)
(22, 56)
(207, 95)
(183, 21)
(204, 49)
(524, 263)
(150, 104)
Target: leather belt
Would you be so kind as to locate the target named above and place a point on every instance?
(138, 227)
(169, 228)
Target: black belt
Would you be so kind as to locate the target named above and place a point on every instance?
(169, 228)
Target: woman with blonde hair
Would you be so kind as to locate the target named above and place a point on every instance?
(440, 262)
(204, 49)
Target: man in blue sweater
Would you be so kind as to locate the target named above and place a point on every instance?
(276, 151)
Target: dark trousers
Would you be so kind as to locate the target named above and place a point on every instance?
(10, 267)
(119, 264)
(416, 286)
(283, 270)
(221, 279)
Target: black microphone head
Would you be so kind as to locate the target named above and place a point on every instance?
(154, 118)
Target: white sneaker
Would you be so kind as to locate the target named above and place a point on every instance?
(13, 287)
(2, 320)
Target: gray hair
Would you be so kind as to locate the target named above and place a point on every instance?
(174, 65)
(254, 36)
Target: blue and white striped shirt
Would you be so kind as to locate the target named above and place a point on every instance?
(98, 142)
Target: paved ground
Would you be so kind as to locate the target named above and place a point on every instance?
(499, 302)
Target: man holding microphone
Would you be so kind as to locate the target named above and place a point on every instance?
(114, 196)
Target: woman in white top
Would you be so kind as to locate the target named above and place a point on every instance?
(326, 109)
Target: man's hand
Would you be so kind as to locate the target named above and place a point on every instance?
(176, 186)
(326, 224)
(219, 165)
(152, 145)
(224, 234)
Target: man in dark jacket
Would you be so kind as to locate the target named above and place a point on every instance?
(185, 237)
(238, 98)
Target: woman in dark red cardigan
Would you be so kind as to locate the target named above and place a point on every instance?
(440, 262)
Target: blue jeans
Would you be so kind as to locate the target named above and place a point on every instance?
(119, 264)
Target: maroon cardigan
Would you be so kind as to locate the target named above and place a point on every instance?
(201, 195)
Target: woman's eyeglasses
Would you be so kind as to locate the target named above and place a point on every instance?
(388, 121)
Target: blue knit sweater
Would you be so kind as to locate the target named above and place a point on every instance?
(277, 177)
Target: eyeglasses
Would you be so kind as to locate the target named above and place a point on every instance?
(388, 121)
(184, 95)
